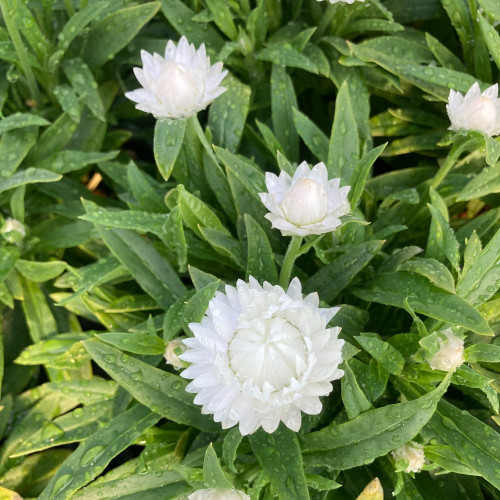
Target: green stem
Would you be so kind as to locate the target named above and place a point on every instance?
(8, 12)
(195, 123)
(449, 162)
(325, 21)
(69, 8)
(291, 255)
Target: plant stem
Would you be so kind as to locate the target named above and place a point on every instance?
(325, 21)
(291, 255)
(8, 12)
(195, 123)
(455, 152)
(69, 8)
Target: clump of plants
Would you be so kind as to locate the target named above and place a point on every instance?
(249, 249)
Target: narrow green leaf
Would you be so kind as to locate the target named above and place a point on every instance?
(29, 176)
(95, 453)
(223, 18)
(14, 146)
(213, 474)
(286, 476)
(8, 259)
(355, 401)
(433, 270)
(482, 184)
(135, 342)
(312, 135)
(197, 306)
(168, 138)
(260, 259)
(479, 353)
(21, 120)
(343, 151)
(162, 392)
(114, 32)
(70, 161)
(225, 245)
(40, 271)
(390, 358)
(423, 297)
(230, 448)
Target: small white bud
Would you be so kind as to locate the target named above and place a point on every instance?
(175, 348)
(13, 230)
(413, 452)
(305, 202)
(218, 494)
(450, 354)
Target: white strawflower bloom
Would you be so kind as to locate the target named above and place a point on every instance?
(218, 494)
(14, 225)
(179, 84)
(171, 357)
(450, 354)
(475, 111)
(261, 355)
(342, 1)
(308, 203)
(413, 452)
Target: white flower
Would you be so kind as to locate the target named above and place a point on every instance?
(218, 494)
(475, 111)
(171, 356)
(450, 354)
(178, 85)
(413, 452)
(342, 1)
(12, 225)
(261, 355)
(306, 204)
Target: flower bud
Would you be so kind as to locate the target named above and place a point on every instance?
(172, 352)
(450, 354)
(13, 230)
(475, 111)
(218, 494)
(305, 202)
(413, 452)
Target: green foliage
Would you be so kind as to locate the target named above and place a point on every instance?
(128, 227)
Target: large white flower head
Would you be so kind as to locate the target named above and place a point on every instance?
(307, 203)
(450, 354)
(475, 111)
(413, 452)
(262, 355)
(218, 494)
(179, 84)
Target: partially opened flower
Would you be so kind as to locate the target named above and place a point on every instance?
(475, 111)
(262, 355)
(412, 452)
(179, 84)
(218, 494)
(307, 203)
(450, 354)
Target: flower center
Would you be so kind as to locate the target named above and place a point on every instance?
(178, 84)
(305, 202)
(267, 350)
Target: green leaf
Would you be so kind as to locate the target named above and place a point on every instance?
(223, 18)
(74, 426)
(40, 271)
(228, 114)
(482, 184)
(225, 245)
(168, 138)
(29, 176)
(135, 342)
(82, 80)
(114, 32)
(331, 279)
(153, 272)
(312, 135)
(213, 474)
(197, 306)
(95, 453)
(423, 297)
(479, 353)
(232, 440)
(445, 457)
(343, 152)
(8, 259)
(162, 392)
(70, 161)
(173, 235)
(21, 120)
(481, 280)
(372, 434)
(260, 260)
(140, 184)
(490, 37)
(491, 8)
(68, 100)
(14, 146)
(433, 270)
(445, 56)
(355, 401)
(390, 358)
(286, 476)
(283, 54)
(360, 174)
(283, 101)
